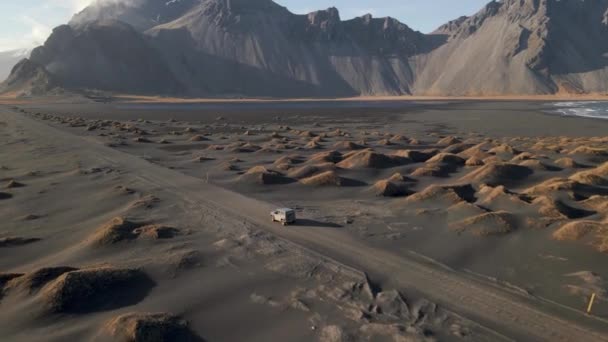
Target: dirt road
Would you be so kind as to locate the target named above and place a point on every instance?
(510, 314)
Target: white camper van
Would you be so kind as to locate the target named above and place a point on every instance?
(283, 215)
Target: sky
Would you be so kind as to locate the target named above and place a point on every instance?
(25, 24)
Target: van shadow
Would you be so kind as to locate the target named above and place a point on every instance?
(316, 224)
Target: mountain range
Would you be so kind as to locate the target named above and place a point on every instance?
(258, 48)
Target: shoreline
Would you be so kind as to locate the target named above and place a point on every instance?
(130, 98)
(532, 98)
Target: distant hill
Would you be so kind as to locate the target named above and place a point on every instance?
(259, 48)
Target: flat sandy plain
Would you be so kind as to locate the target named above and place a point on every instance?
(434, 220)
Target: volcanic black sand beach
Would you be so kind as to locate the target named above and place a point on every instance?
(427, 220)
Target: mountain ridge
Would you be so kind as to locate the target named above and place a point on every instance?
(259, 48)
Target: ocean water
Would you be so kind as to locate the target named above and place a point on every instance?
(588, 109)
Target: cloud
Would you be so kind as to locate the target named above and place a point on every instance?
(37, 33)
(73, 6)
(34, 26)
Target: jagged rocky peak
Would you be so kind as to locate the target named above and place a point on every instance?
(323, 25)
(451, 26)
(241, 7)
(386, 35)
(141, 14)
(323, 18)
(242, 14)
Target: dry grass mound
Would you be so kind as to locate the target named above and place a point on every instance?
(117, 230)
(595, 232)
(306, 171)
(120, 229)
(443, 195)
(197, 138)
(449, 140)
(596, 176)
(31, 282)
(326, 157)
(14, 184)
(370, 159)
(434, 170)
(397, 177)
(386, 188)
(290, 160)
(328, 178)
(493, 223)
(589, 151)
(149, 327)
(228, 166)
(313, 145)
(14, 241)
(400, 139)
(499, 197)
(568, 163)
(537, 165)
(347, 145)
(574, 231)
(416, 156)
(142, 140)
(456, 148)
(5, 278)
(478, 150)
(590, 178)
(597, 203)
(504, 149)
(524, 156)
(463, 210)
(95, 289)
(156, 232)
(556, 209)
(384, 142)
(307, 134)
(474, 161)
(447, 158)
(498, 174)
(263, 176)
(573, 188)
